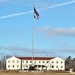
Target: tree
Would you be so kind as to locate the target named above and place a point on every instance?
(0, 65)
(73, 64)
(3, 62)
(68, 62)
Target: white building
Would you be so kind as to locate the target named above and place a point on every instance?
(49, 63)
(13, 63)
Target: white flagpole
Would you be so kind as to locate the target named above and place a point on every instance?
(33, 38)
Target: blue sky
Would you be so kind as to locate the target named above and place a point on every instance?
(54, 32)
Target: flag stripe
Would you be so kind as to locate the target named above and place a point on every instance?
(35, 12)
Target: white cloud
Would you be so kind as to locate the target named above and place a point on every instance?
(15, 48)
(57, 31)
(22, 49)
(67, 50)
(59, 5)
(16, 14)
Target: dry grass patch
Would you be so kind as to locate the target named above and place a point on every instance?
(34, 73)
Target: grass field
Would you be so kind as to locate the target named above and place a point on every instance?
(33, 73)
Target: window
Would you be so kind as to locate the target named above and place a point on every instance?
(13, 66)
(39, 62)
(26, 66)
(13, 61)
(17, 61)
(8, 65)
(8, 61)
(61, 62)
(17, 65)
(35, 65)
(47, 61)
(56, 66)
(30, 61)
(52, 61)
(43, 61)
(56, 61)
(61, 66)
(35, 61)
(39, 65)
(26, 61)
(43, 66)
(52, 66)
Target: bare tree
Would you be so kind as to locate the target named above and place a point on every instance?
(3, 62)
(68, 62)
(73, 64)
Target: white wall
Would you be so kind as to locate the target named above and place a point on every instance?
(35, 62)
(58, 63)
(13, 63)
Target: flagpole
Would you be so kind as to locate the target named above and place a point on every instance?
(37, 17)
(33, 38)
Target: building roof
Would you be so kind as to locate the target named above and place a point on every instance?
(35, 58)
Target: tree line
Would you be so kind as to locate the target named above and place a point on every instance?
(70, 63)
(3, 62)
